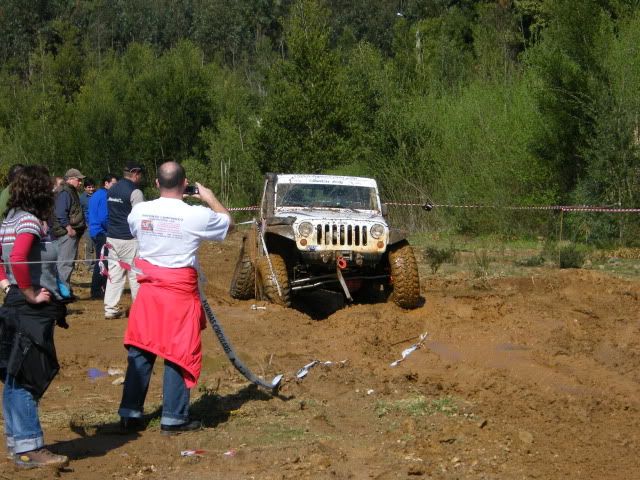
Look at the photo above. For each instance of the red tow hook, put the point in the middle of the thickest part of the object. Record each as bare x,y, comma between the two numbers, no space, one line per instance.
342,263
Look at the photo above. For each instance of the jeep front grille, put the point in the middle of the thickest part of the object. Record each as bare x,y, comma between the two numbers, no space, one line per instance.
350,235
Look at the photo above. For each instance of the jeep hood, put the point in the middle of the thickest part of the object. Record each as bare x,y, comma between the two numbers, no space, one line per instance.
329,214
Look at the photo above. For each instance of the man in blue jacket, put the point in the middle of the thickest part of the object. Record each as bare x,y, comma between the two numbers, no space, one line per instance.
98,224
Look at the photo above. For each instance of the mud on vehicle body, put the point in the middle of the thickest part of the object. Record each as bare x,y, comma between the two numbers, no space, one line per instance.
324,231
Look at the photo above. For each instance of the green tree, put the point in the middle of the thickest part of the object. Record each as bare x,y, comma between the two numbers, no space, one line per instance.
368,20
612,172
435,54
305,124
23,24
228,164
567,63
496,41
168,104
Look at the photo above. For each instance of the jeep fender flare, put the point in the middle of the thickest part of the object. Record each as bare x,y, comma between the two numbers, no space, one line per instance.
282,231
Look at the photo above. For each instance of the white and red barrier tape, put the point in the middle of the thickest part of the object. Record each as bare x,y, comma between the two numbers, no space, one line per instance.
254,207
565,208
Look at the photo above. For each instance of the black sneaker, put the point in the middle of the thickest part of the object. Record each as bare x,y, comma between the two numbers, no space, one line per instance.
191,426
131,425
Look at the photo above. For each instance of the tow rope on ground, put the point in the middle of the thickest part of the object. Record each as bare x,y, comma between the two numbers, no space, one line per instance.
274,278
231,354
215,325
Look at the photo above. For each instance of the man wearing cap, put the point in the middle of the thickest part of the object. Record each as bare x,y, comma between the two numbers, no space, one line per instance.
121,198
68,225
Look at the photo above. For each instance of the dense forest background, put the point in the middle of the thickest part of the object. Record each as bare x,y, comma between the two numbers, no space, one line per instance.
502,102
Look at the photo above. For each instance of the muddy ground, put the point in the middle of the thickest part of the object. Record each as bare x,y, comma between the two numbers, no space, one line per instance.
532,376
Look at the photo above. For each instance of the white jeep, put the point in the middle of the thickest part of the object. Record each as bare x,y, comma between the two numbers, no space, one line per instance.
324,231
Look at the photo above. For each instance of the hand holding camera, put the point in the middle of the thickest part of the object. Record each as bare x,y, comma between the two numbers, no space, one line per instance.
199,191
208,198
191,190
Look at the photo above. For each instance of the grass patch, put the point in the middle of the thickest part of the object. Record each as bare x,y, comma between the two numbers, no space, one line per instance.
485,257
276,433
481,263
417,406
571,257
469,243
533,261
88,421
481,268
437,256
565,254
154,423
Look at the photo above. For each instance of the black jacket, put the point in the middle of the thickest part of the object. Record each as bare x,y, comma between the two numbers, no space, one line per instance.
27,351
119,206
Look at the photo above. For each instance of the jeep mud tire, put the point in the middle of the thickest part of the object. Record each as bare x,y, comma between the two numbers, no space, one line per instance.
404,271
244,278
269,287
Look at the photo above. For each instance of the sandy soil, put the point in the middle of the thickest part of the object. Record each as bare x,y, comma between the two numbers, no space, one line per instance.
535,378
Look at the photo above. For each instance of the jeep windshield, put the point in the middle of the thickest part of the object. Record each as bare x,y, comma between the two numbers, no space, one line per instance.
313,195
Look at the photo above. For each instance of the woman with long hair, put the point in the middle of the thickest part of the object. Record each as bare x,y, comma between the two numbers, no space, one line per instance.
31,309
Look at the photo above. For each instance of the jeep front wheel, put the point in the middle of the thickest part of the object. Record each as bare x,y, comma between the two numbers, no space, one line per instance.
244,277
404,272
269,283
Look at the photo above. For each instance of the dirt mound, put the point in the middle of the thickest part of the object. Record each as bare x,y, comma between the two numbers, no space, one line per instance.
534,378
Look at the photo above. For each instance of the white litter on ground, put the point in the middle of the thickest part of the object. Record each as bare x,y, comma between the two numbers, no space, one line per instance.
304,370
410,350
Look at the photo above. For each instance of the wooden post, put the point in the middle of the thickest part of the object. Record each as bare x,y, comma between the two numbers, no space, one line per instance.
560,235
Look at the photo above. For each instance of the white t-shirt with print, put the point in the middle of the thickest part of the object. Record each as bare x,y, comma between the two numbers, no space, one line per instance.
169,231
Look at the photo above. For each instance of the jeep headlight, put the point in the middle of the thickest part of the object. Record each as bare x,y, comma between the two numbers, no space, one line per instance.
305,229
377,231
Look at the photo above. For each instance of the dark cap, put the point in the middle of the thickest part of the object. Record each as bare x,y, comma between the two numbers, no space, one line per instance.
133,167
73,172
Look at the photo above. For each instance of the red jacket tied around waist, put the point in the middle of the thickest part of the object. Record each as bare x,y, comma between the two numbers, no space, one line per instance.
166,317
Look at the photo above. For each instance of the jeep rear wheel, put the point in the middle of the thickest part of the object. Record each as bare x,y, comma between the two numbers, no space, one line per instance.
268,283
404,271
244,277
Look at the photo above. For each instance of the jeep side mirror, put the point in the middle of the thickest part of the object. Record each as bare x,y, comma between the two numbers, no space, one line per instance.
384,210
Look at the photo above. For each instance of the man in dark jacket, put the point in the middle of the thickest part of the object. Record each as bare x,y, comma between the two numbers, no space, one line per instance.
121,198
68,226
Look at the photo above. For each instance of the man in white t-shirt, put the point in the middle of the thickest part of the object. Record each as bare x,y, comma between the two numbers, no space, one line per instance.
166,318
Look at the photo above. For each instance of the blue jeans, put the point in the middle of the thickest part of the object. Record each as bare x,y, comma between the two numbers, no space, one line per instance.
175,394
21,422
